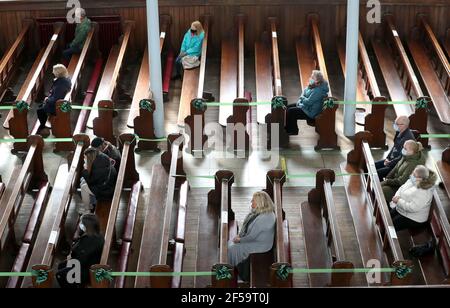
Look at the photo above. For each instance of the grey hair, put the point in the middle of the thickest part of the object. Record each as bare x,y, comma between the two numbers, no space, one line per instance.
422,172
317,75
80,11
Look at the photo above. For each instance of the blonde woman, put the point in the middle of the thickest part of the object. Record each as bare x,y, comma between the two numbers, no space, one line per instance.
412,156
256,234
61,85
191,48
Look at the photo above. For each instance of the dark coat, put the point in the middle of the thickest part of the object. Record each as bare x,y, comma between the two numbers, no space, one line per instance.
102,179
114,153
59,89
395,154
88,250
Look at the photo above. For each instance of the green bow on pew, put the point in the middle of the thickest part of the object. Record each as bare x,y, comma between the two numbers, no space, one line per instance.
22,105
279,102
422,103
283,272
199,104
402,270
146,104
41,275
102,274
328,103
223,272
66,106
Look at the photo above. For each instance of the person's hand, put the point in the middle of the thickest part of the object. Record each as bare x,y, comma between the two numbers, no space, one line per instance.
182,54
395,199
237,239
69,257
387,162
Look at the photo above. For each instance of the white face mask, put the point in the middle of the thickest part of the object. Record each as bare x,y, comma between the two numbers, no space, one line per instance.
404,152
82,227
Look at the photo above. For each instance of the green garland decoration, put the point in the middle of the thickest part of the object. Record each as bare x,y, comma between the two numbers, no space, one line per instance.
22,105
223,272
41,275
422,103
402,270
328,103
102,274
279,102
146,104
283,272
199,104
66,106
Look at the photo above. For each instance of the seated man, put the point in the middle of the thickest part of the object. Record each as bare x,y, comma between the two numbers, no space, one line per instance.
402,134
108,149
309,104
81,32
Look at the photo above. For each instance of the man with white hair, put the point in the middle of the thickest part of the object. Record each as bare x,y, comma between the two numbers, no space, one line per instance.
402,134
81,31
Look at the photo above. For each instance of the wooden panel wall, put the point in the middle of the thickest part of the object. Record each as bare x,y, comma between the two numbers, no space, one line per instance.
291,14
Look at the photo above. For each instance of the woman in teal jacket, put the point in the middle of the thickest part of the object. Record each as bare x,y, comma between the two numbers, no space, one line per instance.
191,46
309,104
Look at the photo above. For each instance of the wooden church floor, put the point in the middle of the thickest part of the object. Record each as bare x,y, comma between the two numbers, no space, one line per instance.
249,172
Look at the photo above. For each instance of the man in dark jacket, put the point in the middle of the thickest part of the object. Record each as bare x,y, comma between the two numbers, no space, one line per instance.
109,149
402,134
81,33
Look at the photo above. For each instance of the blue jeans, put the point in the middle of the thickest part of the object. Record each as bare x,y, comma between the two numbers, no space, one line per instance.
67,54
179,66
382,170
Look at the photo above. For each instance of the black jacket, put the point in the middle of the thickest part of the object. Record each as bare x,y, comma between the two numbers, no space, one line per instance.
88,250
115,154
395,154
59,89
102,179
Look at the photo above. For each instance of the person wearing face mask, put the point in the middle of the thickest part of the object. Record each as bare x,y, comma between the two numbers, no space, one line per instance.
309,104
87,249
191,49
256,234
410,207
402,134
412,156
61,85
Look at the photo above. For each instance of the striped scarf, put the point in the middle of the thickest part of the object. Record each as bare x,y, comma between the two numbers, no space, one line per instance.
247,221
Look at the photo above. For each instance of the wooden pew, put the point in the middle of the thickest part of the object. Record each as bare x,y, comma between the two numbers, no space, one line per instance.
375,231
264,266
60,123
367,91
268,84
310,57
163,264
433,66
11,60
443,169
16,121
152,231
324,250
399,77
217,227
142,89
2,187
100,120
194,79
107,212
447,43
52,227
31,175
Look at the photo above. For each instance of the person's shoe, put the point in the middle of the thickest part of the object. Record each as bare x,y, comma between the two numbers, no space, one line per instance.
44,132
422,250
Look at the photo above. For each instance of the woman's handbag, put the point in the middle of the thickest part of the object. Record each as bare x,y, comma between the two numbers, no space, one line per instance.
190,62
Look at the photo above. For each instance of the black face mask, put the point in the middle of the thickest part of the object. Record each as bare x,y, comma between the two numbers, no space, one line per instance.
193,31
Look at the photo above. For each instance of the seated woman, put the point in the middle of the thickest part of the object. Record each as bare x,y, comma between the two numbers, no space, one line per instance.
410,207
191,49
412,156
98,179
309,104
256,235
109,149
87,250
61,85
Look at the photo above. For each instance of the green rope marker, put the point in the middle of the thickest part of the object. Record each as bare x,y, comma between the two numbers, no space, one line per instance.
22,105
283,272
7,107
328,103
223,272
41,275
402,270
279,102
146,104
199,104
102,274
422,103
66,106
